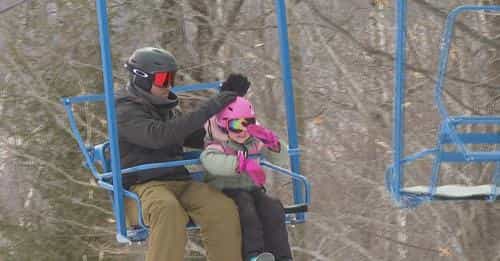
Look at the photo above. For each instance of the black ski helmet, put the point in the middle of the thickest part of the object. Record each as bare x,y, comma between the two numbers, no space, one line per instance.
145,62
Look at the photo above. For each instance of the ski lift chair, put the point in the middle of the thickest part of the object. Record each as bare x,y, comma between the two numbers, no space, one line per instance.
96,154
451,134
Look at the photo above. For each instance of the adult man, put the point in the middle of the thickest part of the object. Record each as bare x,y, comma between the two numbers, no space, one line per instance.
152,129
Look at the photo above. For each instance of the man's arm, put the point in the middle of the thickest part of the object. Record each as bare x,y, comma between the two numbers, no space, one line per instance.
195,140
138,127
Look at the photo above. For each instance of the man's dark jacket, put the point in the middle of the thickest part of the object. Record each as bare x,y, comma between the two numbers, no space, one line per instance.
152,129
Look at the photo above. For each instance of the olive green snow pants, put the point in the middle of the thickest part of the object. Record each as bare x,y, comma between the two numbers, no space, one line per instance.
167,206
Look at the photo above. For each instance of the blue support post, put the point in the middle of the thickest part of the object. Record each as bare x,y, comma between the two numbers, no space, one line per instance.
399,90
286,75
102,17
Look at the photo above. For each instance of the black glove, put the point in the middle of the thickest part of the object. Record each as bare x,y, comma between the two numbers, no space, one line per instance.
236,83
221,100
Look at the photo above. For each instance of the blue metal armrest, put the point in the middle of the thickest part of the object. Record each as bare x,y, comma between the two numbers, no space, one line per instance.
100,155
302,205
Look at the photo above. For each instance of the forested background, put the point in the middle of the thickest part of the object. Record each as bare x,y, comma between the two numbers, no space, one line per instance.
342,57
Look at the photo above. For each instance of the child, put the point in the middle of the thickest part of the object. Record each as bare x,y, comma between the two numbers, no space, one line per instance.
233,136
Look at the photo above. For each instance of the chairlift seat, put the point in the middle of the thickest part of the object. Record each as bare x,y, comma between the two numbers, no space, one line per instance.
453,192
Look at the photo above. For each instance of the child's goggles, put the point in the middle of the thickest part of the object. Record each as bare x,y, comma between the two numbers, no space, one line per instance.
239,125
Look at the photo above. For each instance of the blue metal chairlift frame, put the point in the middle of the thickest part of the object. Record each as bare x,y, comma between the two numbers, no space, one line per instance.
448,132
111,169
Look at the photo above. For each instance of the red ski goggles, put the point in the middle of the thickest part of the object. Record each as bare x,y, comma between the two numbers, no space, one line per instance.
239,125
163,79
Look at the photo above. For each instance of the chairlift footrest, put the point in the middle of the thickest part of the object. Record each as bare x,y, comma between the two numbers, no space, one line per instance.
297,208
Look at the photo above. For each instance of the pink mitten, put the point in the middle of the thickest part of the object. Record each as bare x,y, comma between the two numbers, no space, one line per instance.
267,136
252,168
255,172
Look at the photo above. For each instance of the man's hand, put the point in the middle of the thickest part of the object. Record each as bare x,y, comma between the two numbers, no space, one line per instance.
236,83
